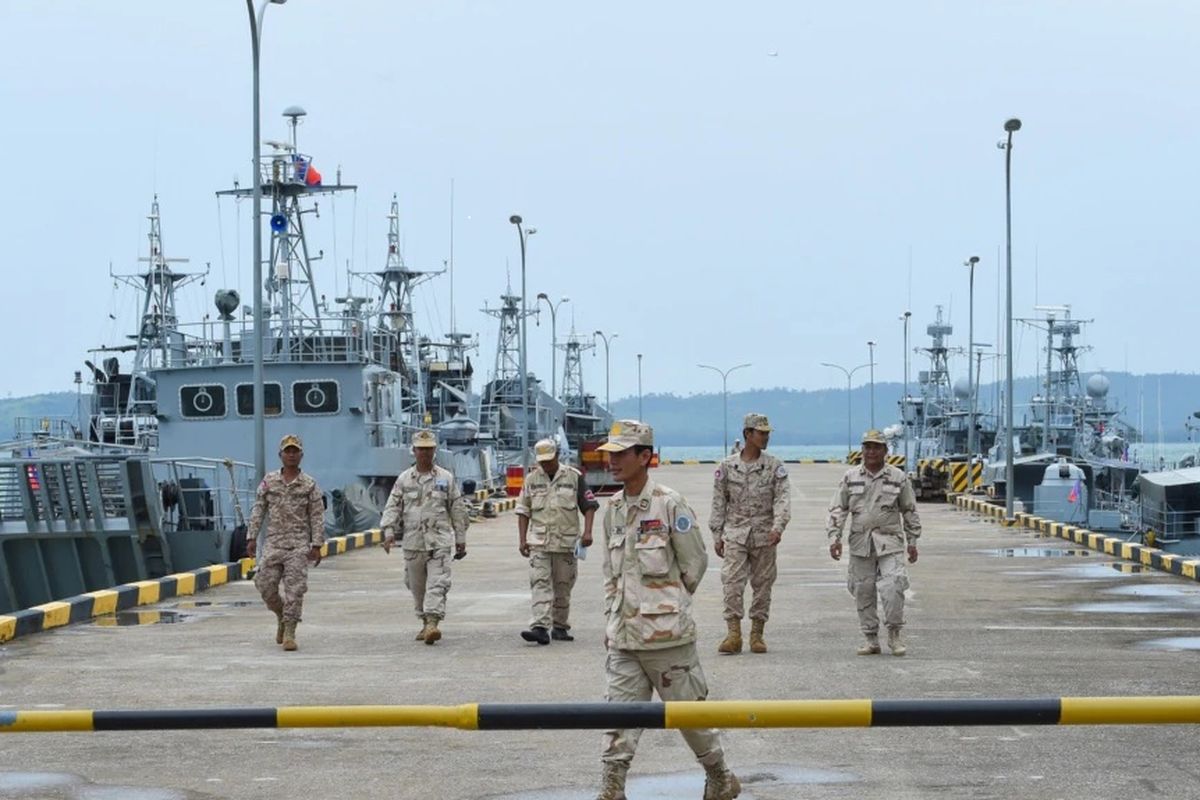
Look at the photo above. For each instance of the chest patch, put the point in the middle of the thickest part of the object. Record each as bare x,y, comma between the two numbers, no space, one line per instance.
441,485
651,527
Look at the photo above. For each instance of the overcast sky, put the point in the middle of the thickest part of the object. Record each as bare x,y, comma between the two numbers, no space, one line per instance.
717,182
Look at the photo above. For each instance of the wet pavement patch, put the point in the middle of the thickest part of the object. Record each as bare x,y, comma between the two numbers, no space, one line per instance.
1035,552
690,785
124,618
1156,590
25,784
68,786
216,604
1172,643
1132,607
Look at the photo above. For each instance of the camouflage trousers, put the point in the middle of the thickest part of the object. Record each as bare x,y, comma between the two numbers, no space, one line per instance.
282,580
427,576
674,674
753,564
885,576
551,579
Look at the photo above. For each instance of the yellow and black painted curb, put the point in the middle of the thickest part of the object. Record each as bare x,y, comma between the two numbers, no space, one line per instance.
1184,710
89,605
1138,553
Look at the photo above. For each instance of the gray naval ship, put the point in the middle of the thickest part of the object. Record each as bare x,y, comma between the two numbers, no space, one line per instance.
154,479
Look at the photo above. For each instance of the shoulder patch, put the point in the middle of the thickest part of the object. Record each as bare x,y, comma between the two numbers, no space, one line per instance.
781,471
719,473
683,523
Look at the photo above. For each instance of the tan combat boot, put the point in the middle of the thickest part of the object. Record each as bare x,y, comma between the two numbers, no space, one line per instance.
732,643
279,628
720,783
895,643
289,635
871,646
757,643
420,637
612,782
432,634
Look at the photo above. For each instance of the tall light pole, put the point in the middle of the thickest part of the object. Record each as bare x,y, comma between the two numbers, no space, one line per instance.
260,447
553,337
724,400
515,219
849,375
904,401
871,350
607,339
1011,126
971,386
639,355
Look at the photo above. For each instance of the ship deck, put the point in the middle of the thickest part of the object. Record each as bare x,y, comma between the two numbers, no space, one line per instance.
994,612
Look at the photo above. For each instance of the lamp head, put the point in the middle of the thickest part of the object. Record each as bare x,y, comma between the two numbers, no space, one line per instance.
1012,125
972,261
515,219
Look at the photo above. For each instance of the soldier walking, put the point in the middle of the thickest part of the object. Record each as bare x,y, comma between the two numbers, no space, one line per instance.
884,523
653,561
291,503
426,512
551,501
751,506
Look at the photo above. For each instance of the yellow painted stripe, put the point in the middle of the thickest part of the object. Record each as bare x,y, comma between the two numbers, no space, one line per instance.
464,717
1189,569
1130,710
30,721
55,614
217,574
148,591
1168,562
1109,545
103,602
185,582
8,628
769,714
1147,556
1127,550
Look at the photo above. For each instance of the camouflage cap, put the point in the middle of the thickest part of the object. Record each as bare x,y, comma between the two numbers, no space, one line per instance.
424,439
756,422
291,440
545,450
874,436
627,433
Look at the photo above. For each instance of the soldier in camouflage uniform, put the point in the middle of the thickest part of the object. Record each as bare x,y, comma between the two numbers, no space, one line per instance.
751,506
426,511
291,503
548,510
879,501
653,561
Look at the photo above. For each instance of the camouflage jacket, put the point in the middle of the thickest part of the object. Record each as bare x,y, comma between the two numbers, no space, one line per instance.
426,510
654,560
294,512
553,506
750,500
881,508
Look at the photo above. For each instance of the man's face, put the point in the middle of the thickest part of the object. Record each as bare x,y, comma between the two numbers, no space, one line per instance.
424,457
627,464
550,466
291,456
873,455
758,438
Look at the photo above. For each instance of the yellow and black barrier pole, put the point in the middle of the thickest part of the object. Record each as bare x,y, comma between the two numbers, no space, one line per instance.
1180,710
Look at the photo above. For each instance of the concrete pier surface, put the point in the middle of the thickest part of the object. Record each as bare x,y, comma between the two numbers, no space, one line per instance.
993,612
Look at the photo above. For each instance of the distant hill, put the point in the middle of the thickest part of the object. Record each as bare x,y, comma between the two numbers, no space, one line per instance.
799,417
819,417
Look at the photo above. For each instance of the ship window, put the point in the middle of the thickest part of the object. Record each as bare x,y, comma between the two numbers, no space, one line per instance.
315,397
202,402
272,399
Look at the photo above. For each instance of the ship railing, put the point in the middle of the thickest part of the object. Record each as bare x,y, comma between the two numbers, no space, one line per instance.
1168,524
54,426
389,434
325,339
204,493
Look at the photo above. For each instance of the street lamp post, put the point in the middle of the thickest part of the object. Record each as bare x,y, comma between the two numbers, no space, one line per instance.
607,339
871,361
260,448
553,337
904,401
515,219
724,400
1011,126
849,374
639,355
971,386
